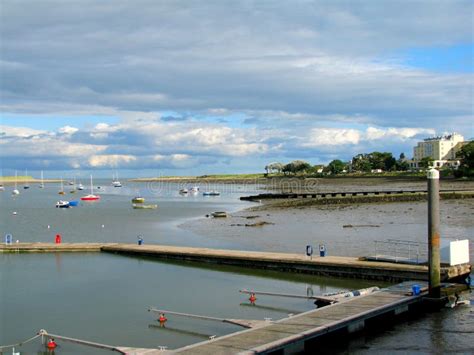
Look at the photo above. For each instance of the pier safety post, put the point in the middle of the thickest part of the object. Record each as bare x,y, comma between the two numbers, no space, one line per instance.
433,233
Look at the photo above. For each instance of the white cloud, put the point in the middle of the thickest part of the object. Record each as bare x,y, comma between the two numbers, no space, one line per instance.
110,161
332,136
320,137
19,131
68,130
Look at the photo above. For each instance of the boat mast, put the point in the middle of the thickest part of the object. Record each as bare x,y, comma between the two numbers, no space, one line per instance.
92,192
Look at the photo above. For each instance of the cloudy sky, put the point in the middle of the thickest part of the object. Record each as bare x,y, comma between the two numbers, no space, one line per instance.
196,87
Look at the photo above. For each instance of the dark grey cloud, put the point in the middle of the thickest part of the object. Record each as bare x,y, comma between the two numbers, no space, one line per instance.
315,57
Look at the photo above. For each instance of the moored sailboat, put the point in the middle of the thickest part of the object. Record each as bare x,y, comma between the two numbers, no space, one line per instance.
26,186
116,182
91,196
15,190
41,186
61,192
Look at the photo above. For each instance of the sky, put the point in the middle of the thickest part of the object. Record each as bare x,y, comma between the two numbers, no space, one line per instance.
199,87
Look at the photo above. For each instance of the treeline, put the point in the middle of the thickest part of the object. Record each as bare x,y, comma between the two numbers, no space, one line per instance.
371,162
374,162
466,158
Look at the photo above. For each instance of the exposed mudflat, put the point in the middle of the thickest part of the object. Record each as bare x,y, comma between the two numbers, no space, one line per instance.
346,230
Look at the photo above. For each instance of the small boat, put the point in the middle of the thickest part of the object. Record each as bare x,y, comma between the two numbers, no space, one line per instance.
73,191
220,214
140,206
80,187
211,193
116,182
61,192
62,204
91,196
15,190
194,189
183,191
71,183
138,199
26,186
41,186
74,203
2,188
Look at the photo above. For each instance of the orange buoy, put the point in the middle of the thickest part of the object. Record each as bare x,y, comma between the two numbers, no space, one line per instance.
162,318
252,298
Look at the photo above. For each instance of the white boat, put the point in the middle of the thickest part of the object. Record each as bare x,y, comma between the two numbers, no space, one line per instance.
80,187
211,193
41,186
15,190
183,191
62,204
91,196
2,188
116,182
194,189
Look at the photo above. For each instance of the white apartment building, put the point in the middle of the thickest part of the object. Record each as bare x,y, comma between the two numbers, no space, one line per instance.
441,149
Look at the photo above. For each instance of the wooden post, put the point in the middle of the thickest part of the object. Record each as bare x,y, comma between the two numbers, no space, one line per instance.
433,233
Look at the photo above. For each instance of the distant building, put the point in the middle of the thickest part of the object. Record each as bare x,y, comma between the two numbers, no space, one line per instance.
441,149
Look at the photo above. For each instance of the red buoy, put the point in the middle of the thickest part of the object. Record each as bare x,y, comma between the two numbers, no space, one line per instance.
252,298
162,318
51,344
58,239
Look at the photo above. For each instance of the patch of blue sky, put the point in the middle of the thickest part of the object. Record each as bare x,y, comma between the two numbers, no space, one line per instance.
444,59
53,122
233,120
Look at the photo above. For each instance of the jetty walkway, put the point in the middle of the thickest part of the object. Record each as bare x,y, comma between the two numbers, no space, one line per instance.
348,267
298,333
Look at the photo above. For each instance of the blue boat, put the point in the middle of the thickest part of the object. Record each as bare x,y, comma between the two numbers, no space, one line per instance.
73,203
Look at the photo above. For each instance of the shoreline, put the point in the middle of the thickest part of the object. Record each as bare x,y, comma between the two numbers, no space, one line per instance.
9,182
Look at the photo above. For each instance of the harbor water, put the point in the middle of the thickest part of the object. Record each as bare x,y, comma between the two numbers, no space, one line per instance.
105,298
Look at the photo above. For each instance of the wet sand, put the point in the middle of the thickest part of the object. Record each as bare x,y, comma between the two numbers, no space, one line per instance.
347,230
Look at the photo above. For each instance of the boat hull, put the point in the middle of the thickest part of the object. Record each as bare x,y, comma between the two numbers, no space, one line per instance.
90,198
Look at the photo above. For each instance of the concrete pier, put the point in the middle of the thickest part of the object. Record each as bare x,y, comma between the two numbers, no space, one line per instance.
334,266
359,196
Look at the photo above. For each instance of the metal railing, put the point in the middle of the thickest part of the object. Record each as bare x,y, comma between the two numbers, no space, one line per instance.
401,250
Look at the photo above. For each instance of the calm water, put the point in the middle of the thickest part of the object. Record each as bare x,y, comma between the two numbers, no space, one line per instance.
104,298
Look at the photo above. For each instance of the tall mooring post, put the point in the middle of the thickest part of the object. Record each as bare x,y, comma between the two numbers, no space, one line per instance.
433,233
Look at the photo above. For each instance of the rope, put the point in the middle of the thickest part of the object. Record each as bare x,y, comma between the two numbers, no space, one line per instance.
21,343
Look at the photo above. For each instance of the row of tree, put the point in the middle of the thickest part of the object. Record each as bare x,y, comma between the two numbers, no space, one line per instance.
466,157
361,162
368,162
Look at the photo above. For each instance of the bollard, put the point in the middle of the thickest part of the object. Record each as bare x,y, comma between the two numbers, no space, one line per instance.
8,239
433,233
58,239
322,250
140,240
309,251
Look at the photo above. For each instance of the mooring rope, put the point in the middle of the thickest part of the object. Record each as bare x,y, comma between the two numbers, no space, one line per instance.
21,343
